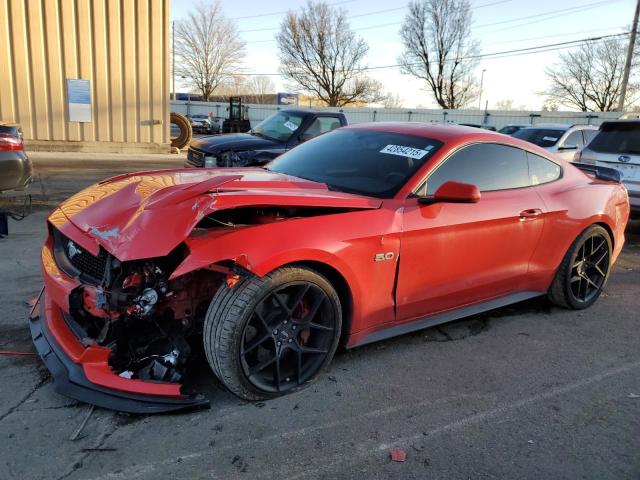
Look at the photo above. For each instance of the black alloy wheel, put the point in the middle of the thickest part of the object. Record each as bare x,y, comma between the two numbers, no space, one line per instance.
590,268
288,337
584,271
271,335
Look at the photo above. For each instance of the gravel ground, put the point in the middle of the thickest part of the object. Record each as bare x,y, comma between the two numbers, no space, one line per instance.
527,391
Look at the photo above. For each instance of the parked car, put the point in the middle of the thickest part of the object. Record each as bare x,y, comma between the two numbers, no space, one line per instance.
273,136
512,128
563,140
477,125
617,145
204,124
358,235
16,170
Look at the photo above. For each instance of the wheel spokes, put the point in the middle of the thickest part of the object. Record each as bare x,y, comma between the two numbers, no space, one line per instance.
256,343
588,271
298,320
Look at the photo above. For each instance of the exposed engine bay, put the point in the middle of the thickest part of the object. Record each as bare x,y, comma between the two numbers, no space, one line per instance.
151,324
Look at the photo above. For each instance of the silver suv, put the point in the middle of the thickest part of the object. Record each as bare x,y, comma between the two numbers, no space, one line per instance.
563,140
617,145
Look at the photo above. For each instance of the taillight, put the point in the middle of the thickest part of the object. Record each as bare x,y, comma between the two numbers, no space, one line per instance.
10,142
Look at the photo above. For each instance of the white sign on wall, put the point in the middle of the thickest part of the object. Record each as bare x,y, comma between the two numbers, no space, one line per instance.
79,100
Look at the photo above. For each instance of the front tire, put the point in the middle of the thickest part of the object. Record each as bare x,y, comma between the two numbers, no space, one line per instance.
268,336
584,270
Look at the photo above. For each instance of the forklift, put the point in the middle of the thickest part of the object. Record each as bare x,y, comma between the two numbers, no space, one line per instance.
236,123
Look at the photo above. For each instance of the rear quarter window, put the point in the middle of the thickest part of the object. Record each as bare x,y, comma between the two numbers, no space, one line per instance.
542,170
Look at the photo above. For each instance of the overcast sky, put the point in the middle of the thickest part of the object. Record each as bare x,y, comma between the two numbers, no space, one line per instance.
500,25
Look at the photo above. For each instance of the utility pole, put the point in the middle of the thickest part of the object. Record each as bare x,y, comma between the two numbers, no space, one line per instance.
627,64
481,82
173,57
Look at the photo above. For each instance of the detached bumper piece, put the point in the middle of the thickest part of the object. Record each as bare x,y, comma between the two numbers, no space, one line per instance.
70,378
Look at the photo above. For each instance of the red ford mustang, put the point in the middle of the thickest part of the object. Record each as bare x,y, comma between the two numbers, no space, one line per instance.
361,234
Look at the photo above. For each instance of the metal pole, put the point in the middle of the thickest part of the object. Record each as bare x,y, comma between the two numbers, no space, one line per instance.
173,57
627,65
481,82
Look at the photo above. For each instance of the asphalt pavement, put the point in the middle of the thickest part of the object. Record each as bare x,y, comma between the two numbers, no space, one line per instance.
526,391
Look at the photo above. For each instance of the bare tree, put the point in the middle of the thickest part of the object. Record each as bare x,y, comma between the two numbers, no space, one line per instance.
438,49
321,55
257,88
392,101
208,48
589,78
505,104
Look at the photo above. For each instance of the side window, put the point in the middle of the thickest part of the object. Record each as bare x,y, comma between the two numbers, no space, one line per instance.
588,135
574,139
488,166
542,170
319,126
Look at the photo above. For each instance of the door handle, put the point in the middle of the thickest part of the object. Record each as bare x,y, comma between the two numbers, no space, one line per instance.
530,213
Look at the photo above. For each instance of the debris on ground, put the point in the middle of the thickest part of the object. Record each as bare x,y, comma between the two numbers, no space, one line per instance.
13,353
398,455
78,431
633,395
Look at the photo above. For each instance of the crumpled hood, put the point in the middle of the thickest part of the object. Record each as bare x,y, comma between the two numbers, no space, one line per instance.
147,214
232,141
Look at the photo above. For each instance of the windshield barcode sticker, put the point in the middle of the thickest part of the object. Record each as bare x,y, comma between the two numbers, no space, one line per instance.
406,151
290,125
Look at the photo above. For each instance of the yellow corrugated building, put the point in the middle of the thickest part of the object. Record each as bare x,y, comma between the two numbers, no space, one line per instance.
119,46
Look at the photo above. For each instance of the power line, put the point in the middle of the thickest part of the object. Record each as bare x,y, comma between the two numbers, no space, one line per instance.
545,19
568,34
360,15
568,10
493,55
271,14
561,13
542,17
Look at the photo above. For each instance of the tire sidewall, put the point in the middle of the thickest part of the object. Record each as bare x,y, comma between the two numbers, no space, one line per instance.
276,280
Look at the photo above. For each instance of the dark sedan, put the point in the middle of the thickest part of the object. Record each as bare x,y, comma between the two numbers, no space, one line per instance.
16,171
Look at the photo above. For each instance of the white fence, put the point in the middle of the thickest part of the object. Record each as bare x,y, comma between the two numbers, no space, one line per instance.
494,118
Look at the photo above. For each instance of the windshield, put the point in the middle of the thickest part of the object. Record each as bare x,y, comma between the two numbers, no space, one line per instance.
279,126
543,137
200,117
617,138
371,163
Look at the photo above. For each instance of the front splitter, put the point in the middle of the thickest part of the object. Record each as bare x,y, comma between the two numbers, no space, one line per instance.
69,380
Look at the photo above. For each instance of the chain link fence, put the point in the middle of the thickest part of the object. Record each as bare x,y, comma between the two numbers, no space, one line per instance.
489,118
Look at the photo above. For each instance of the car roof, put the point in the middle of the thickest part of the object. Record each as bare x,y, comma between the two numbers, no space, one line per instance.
622,121
561,127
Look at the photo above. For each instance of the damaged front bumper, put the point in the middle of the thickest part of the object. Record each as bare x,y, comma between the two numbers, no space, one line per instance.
80,367
89,378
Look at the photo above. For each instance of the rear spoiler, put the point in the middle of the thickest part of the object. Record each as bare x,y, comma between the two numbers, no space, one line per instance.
602,173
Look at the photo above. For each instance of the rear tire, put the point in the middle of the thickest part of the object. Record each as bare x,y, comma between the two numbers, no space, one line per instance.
267,336
584,271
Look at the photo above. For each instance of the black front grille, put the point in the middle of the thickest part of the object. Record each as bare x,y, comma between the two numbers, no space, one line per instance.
195,157
76,261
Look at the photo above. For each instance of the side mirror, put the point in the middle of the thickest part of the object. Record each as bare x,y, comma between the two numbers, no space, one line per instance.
568,146
453,192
